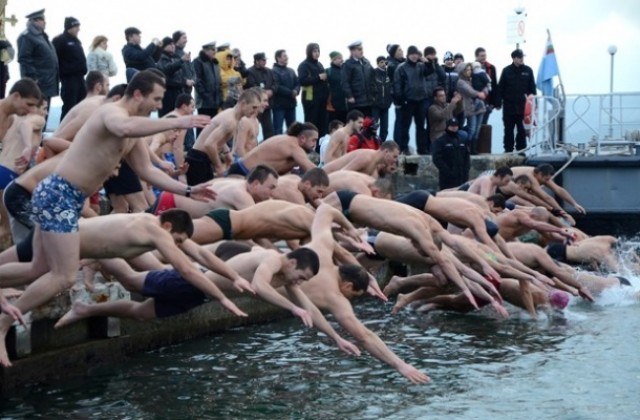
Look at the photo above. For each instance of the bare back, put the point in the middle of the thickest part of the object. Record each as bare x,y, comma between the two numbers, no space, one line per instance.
287,190
246,136
350,180
337,144
277,152
359,160
272,219
218,132
77,116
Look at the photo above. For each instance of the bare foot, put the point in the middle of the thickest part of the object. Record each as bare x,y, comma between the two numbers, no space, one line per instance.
401,302
392,287
79,310
4,357
88,275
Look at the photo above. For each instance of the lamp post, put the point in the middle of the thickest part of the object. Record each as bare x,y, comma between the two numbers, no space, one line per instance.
612,51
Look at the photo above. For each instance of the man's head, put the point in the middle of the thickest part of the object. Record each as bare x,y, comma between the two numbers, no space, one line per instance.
306,133
481,55
335,125
168,46
260,60
502,176
37,19
382,188
539,214
413,54
391,151
543,173
314,184
302,264
117,92
395,51
72,26
447,59
25,96
132,35
249,102
496,203
261,182
96,82
381,62
440,96
313,51
430,53
209,49
171,135
452,127
178,223
353,280
518,57
354,120
355,48
336,58
281,57
524,182
179,38
147,89
185,104
458,58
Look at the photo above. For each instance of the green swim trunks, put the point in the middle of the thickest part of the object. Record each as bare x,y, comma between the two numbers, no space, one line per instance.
223,219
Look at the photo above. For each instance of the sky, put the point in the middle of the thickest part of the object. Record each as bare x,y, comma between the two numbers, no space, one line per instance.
581,31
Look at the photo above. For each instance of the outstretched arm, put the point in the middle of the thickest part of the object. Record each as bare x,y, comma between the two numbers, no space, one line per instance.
564,195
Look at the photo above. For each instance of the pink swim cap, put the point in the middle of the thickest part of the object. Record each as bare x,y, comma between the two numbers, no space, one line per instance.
559,299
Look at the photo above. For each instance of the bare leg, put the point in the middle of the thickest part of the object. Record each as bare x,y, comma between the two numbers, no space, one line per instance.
118,204
420,294
137,202
396,283
5,227
141,311
129,278
62,258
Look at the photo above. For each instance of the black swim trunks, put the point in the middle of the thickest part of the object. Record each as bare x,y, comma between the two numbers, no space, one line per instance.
492,227
557,252
416,199
346,197
230,249
127,182
238,168
223,219
465,186
200,168
172,294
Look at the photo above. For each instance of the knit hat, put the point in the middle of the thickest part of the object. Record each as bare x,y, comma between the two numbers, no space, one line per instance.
448,56
452,122
334,54
167,40
458,56
70,22
412,50
392,49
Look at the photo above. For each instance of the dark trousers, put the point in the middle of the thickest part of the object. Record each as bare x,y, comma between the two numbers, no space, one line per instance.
338,115
212,112
382,117
428,131
397,124
416,111
315,112
72,91
366,110
266,122
512,122
280,116
169,100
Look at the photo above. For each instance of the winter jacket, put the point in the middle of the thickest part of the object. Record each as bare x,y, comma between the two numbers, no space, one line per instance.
287,82
38,60
102,61
382,98
263,78
137,58
516,82
409,82
469,94
71,59
338,100
494,96
451,157
450,81
208,82
435,77
171,66
438,116
357,81
313,88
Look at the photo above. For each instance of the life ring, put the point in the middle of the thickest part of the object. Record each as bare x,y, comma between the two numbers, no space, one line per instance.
529,111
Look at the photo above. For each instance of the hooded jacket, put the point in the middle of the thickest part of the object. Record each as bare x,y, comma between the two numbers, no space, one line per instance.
229,77
313,88
38,60
208,82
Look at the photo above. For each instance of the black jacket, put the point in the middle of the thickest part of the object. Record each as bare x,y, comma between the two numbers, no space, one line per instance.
357,81
313,88
435,77
208,82
263,78
135,57
516,82
409,82
38,60
451,157
382,98
286,82
171,66
71,58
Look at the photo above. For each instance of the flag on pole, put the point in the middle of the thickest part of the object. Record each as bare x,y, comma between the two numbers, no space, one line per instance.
548,69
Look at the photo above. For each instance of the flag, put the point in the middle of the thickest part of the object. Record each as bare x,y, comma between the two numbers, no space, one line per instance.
548,69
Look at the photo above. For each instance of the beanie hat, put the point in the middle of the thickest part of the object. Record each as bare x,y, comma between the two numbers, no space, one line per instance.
70,22
334,54
392,48
448,56
167,40
412,50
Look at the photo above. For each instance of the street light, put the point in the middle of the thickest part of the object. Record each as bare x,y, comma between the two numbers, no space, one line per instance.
612,51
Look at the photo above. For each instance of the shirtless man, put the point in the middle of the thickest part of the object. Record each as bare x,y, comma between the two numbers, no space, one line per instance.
542,175
398,219
518,222
19,146
375,163
23,98
246,136
340,138
111,132
233,193
487,185
331,290
204,158
309,188
282,152
598,252
360,183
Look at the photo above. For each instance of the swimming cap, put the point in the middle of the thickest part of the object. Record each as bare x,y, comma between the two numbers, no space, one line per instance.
559,299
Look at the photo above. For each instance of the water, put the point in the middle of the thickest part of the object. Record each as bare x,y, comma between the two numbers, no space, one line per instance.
584,365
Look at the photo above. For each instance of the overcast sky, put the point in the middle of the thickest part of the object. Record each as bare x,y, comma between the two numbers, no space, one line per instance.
581,31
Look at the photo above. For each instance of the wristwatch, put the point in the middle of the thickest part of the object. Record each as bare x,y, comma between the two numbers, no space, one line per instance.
187,192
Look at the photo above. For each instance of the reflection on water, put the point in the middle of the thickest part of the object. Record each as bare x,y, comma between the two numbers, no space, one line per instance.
582,366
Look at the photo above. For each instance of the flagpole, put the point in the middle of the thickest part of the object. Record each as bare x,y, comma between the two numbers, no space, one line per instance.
562,99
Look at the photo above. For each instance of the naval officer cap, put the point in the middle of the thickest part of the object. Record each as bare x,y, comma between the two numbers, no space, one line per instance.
209,46
356,44
36,15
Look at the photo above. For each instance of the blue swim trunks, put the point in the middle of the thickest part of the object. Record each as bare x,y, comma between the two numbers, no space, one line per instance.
57,205
6,176
172,294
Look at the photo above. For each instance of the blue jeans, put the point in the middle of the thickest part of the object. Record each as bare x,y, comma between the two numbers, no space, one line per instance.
474,122
282,115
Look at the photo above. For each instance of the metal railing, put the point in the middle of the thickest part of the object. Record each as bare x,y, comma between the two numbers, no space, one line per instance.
587,124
